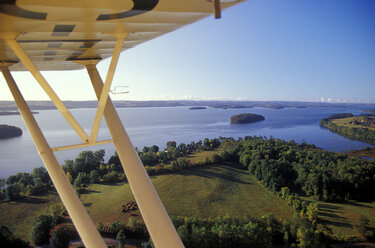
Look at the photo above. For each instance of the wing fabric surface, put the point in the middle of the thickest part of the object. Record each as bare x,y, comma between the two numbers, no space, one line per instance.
54,33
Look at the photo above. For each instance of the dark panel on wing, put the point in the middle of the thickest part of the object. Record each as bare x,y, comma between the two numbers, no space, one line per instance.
54,44
63,30
50,53
9,7
51,41
140,7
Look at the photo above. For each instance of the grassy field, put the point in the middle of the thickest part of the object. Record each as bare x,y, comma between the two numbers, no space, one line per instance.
205,192
20,216
341,218
202,156
349,122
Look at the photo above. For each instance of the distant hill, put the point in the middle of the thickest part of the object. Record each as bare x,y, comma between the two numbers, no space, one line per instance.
246,118
9,131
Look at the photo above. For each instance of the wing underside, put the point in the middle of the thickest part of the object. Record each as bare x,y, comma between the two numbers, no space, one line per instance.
55,33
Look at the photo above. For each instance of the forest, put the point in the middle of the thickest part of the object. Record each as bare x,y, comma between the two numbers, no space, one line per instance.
303,168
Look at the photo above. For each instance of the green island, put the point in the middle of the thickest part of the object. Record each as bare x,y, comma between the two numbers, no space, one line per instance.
360,127
197,108
222,192
7,131
369,110
246,118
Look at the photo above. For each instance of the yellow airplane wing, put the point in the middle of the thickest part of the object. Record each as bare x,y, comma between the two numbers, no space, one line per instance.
53,33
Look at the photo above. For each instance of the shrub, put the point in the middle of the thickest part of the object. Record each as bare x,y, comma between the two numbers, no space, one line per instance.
8,240
94,176
121,238
13,192
216,159
41,231
60,236
137,228
111,177
116,227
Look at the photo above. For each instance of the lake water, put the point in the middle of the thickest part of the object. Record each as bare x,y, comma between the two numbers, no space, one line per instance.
149,126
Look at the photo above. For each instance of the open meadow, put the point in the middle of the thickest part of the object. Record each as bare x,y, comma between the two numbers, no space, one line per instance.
204,192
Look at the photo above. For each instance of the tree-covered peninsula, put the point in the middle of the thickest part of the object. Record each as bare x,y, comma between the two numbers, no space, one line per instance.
9,131
246,118
360,128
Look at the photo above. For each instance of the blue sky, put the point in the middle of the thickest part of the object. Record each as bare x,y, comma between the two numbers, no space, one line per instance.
291,50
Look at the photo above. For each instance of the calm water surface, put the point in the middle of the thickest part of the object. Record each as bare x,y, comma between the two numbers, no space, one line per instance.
149,126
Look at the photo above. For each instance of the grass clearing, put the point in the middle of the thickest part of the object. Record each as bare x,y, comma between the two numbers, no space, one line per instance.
341,218
204,192
202,156
218,191
21,216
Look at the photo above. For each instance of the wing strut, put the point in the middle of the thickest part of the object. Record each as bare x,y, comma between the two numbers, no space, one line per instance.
158,223
106,88
81,220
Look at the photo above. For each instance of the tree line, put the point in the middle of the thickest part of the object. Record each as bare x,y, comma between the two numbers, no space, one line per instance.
303,169
265,231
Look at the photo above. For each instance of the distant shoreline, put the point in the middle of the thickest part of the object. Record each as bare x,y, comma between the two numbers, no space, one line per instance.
15,112
7,106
